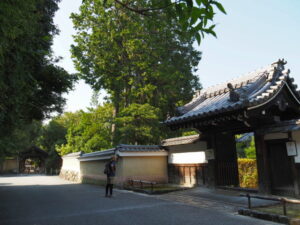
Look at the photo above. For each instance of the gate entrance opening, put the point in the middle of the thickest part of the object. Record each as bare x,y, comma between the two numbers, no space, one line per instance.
246,160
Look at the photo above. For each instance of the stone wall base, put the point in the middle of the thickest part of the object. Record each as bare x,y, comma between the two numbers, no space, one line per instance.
121,181
70,175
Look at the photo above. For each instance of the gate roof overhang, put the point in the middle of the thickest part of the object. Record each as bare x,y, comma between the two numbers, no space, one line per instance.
241,103
33,152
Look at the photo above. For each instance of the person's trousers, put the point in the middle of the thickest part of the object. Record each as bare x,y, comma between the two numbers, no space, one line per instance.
109,187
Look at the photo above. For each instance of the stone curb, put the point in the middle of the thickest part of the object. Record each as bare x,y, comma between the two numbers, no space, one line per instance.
152,193
265,216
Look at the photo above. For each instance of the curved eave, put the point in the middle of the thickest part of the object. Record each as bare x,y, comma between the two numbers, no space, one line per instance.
209,114
263,102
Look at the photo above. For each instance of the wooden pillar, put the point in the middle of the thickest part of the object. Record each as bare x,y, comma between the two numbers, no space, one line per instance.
297,166
296,175
263,168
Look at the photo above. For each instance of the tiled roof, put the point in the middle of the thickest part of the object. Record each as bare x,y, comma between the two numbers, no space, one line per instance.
250,90
180,140
139,148
107,152
34,150
245,137
121,148
73,154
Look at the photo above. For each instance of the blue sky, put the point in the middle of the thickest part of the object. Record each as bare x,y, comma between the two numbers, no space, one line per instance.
254,33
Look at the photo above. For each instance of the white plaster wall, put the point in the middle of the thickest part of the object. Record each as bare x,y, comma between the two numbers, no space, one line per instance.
187,158
296,137
188,153
71,164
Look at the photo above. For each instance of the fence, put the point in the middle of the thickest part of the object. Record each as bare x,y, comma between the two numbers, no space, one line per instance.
283,201
142,184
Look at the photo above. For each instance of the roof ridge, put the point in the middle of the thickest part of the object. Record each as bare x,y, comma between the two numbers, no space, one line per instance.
238,82
247,90
254,72
183,137
126,145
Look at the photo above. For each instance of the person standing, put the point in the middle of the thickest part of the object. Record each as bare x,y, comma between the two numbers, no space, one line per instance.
110,170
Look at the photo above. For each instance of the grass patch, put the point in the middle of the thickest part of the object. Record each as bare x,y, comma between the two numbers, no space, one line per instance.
293,210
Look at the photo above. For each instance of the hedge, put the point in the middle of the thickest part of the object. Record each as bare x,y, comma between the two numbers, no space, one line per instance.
248,173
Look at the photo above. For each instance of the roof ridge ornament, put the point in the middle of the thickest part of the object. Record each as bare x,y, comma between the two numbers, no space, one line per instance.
279,65
280,61
233,95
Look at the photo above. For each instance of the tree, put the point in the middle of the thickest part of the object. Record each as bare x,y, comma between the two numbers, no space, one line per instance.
139,124
53,135
251,150
246,148
136,59
193,16
21,138
88,131
31,84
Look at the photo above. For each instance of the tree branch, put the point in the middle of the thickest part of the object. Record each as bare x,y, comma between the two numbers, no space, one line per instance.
143,11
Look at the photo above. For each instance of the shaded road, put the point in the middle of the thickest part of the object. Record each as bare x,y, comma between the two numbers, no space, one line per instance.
48,200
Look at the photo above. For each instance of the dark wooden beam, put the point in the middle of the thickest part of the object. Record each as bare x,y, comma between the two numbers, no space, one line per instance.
264,180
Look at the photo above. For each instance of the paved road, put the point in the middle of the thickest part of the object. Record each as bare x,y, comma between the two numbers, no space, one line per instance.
46,200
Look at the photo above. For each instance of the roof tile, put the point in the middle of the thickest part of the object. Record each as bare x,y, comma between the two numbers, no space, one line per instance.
251,89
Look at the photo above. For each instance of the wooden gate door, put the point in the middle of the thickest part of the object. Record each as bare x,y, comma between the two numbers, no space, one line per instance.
281,173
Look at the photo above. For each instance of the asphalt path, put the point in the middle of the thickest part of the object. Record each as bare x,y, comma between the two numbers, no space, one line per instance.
49,200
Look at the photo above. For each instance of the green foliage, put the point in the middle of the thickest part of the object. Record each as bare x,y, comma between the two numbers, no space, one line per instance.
188,133
53,161
31,84
53,134
246,149
248,173
250,150
139,124
88,131
21,138
136,59
195,17
240,147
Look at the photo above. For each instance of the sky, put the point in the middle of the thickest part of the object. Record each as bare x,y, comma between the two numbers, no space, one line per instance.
253,34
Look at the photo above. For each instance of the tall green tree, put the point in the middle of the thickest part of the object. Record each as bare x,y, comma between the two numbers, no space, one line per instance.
88,131
53,134
195,17
136,59
31,84
139,124
23,137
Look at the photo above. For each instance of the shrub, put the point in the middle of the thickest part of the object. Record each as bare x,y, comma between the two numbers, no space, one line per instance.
248,173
